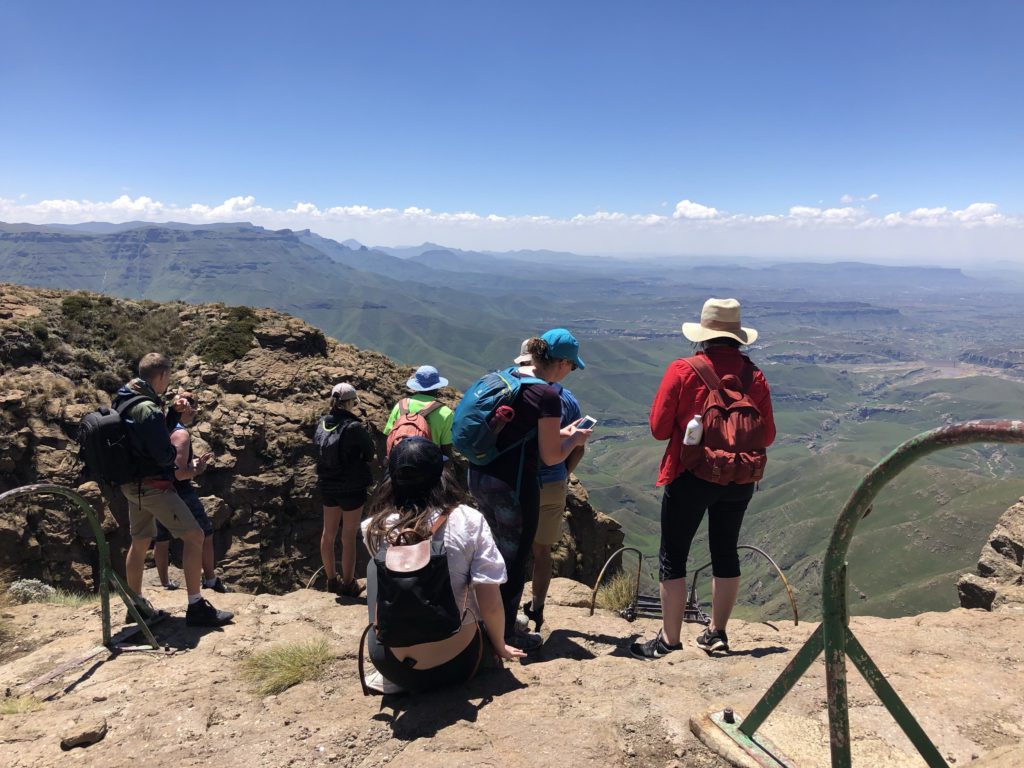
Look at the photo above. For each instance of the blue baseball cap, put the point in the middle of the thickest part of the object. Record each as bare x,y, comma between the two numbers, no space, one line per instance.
426,379
562,345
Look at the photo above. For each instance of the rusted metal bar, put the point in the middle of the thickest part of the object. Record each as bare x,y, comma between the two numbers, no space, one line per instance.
597,584
107,576
784,682
833,636
695,611
835,616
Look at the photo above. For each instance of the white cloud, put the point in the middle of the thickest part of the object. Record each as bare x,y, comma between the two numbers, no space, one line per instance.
850,231
847,199
685,209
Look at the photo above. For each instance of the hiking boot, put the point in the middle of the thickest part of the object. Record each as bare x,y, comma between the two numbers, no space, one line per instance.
333,585
524,641
713,640
349,588
171,585
145,608
202,614
217,586
653,649
536,615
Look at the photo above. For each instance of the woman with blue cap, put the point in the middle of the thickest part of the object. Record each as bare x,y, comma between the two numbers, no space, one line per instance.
507,489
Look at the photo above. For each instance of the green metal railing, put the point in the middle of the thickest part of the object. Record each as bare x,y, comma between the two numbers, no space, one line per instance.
833,635
107,578
649,606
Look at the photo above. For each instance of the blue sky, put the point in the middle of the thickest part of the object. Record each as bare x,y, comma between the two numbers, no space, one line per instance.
552,118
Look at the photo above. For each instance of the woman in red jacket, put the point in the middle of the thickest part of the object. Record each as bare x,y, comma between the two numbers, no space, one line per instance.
681,396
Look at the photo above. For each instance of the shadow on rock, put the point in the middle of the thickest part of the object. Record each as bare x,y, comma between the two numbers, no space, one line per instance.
175,635
757,653
418,715
572,644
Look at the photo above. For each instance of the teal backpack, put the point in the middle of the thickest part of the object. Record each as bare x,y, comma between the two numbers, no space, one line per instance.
475,429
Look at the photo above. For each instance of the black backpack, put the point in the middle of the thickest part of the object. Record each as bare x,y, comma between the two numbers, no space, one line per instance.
329,461
415,601
105,446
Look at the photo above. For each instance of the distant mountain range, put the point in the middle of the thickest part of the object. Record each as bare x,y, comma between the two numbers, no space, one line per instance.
850,349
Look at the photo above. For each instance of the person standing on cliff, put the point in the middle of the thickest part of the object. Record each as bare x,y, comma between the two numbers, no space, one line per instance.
181,414
425,384
554,482
151,496
507,490
702,471
344,453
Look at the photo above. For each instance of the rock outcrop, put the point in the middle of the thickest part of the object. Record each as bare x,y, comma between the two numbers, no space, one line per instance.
999,580
579,701
262,378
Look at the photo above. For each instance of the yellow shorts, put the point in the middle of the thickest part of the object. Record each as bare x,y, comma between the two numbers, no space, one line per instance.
552,507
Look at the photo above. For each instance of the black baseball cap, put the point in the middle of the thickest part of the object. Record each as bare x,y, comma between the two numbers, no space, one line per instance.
414,466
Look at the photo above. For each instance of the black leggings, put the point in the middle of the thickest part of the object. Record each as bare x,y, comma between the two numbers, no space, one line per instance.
454,671
513,523
682,509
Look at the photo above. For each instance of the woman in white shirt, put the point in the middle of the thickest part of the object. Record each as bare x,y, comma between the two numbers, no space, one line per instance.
415,493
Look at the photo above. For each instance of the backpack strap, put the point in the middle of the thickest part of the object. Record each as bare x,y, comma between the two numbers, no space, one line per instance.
704,369
131,402
429,408
362,653
403,406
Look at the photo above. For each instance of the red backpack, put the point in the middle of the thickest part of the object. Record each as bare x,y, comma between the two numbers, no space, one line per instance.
732,447
410,424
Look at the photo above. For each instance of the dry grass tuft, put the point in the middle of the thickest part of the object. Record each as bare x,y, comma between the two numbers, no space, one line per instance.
617,592
280,667
19,705
72,599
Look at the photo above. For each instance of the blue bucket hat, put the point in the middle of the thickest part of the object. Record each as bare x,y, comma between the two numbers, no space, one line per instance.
426,379
562,345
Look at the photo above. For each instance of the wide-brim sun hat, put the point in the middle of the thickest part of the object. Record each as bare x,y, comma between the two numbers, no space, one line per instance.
426,379
562,345
719,318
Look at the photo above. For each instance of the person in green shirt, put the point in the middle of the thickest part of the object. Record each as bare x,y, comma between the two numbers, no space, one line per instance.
425,384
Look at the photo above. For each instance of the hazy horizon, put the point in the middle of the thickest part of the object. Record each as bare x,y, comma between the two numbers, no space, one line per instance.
795,131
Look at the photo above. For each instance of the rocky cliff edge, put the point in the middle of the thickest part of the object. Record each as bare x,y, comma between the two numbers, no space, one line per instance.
262,378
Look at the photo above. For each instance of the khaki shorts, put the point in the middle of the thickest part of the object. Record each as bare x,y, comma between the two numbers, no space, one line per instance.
147,505
552,507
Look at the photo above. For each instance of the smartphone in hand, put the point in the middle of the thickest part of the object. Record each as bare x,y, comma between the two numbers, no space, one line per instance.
587,422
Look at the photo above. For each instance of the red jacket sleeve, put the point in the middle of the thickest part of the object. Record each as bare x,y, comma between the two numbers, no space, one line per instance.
666,402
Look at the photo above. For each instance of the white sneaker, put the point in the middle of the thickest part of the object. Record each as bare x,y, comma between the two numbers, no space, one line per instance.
375,681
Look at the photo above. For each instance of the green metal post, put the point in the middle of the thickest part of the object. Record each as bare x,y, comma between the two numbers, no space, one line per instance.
107,575
833,636
784,683
892,701
834,584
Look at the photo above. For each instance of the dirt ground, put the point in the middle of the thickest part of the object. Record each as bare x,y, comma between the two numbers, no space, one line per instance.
582,700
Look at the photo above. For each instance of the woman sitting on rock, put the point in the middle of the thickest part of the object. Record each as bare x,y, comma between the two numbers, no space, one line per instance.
418,500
